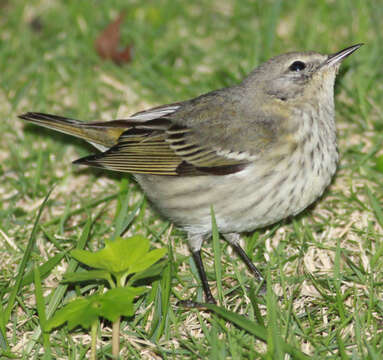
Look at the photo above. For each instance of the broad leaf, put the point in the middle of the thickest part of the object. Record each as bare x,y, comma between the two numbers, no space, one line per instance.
119,302
151,272
120,256
85,311
147,260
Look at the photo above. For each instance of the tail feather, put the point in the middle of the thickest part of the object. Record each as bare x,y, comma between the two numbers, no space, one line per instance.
100,134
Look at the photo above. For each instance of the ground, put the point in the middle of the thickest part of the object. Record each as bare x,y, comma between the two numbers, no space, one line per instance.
324,265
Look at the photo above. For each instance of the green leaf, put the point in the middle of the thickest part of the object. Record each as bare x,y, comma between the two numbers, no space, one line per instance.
77,313
85,311
87,276
121,256
147,260
119,302
151,272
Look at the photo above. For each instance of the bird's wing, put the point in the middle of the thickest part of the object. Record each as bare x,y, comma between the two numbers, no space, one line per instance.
153,143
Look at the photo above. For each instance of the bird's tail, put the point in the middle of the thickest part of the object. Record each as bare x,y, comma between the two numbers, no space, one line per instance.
100,134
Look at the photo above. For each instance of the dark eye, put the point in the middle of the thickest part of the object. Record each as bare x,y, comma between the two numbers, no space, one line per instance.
297,66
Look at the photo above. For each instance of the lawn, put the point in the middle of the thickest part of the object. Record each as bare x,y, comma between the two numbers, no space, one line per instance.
324,266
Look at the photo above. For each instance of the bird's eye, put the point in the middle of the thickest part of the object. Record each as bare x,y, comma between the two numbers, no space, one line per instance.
297,66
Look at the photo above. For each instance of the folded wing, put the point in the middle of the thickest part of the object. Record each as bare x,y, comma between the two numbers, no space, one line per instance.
160,147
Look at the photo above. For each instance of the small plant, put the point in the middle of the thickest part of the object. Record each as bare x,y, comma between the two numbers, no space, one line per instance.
121,263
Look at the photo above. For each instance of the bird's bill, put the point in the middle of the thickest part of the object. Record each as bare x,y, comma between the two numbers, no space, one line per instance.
341,55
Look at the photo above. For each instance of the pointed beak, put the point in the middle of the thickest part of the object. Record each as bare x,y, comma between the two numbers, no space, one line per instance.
341,55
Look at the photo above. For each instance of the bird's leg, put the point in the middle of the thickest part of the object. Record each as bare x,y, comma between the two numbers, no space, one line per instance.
233,240
195,242
202,274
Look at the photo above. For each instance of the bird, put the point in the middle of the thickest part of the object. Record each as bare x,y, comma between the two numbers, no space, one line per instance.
256,153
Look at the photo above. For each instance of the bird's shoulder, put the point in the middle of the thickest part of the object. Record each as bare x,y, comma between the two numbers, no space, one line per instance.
231,120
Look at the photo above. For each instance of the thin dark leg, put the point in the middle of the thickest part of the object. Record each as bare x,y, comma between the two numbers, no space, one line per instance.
233,240
248,262
202,274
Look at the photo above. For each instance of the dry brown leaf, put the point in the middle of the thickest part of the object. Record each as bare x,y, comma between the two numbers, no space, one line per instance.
107,43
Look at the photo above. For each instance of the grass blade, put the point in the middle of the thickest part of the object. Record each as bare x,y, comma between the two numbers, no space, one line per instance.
217,256
40,304
59,292
23,264
253,328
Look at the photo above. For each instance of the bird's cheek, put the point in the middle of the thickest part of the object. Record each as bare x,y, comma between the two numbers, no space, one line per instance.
284,90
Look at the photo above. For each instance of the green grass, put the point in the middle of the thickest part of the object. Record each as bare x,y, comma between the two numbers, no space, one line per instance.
325,265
